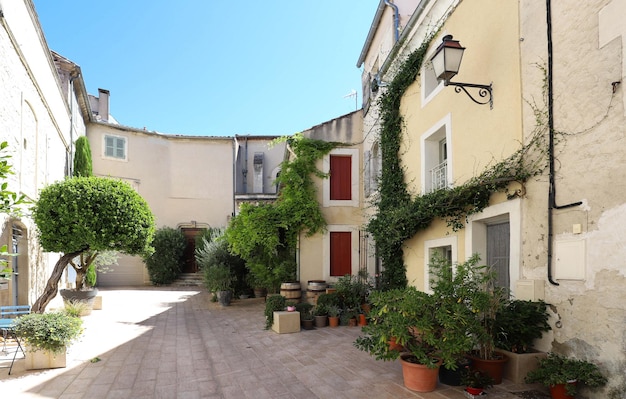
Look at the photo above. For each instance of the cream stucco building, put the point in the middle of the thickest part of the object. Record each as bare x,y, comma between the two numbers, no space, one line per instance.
554,68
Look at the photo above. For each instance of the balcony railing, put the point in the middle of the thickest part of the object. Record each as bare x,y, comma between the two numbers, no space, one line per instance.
439,176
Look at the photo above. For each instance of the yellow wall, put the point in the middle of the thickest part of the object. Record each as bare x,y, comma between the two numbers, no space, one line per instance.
479,135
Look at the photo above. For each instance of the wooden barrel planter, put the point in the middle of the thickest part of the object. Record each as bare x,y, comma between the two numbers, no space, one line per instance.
291,291
314,289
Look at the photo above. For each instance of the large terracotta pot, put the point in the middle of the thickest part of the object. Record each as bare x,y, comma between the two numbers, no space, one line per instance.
493,367
418,377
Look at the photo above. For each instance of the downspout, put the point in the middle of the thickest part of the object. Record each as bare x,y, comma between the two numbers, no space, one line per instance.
552,186
396,20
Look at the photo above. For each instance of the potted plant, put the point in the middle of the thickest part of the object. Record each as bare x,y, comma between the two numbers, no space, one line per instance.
320,314
333,316
47,333
434,329
306,316
485,299
517,325
218,279
476,381
565,375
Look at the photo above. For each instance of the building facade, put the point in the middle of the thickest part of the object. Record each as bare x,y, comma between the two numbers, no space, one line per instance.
556,73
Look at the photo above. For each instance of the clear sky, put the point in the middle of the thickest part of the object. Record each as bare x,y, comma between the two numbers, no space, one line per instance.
218,68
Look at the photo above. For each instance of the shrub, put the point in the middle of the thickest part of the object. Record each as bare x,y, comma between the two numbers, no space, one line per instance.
48,331
519,323
274,303
213,251
164,264
557,369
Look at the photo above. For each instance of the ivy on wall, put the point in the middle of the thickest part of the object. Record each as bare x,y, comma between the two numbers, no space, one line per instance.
266,235
399,216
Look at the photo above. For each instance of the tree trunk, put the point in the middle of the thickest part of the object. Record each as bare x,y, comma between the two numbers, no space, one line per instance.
52,285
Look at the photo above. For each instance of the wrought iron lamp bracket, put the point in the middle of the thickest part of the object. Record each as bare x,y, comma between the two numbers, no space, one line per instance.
485,92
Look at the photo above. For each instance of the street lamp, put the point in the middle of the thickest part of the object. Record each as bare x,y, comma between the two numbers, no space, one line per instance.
446,62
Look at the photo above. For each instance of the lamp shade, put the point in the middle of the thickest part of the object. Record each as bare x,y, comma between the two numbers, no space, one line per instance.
447,58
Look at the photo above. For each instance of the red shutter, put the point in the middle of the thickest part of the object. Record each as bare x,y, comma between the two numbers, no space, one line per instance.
340,253
340,177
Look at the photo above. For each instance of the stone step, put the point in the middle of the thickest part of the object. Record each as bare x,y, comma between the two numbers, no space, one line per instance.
189,280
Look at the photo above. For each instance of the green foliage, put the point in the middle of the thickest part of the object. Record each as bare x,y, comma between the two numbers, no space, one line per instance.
443,325
333,310
519,323
400,216
48,331
305,310
557,369
82,158
327,300
352,291
164,263
476,378
265,235
93,213
5,270
273,303
213,252
76,308
9,200
218,278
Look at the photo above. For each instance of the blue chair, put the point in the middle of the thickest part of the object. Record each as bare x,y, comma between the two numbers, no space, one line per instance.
8,314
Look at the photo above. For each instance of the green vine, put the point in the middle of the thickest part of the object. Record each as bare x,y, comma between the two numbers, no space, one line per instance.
266,235
399,216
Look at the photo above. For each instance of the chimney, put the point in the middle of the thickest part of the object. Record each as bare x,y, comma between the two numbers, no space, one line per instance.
103,105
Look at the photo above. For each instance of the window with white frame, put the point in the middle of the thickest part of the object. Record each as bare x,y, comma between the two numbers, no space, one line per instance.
445,248
430,84
115,147
342,186
436,165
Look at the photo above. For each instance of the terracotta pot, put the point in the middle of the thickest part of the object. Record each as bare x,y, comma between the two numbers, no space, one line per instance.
474,391
559,391
418,377
366,307
493,367
362,320
333,321
352,322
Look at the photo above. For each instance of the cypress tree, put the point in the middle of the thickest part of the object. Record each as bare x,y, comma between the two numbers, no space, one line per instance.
82,158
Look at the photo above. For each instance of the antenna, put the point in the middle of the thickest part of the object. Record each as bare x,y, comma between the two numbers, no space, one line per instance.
352,94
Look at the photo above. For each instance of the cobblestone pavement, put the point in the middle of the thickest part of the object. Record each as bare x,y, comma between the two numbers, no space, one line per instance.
174,343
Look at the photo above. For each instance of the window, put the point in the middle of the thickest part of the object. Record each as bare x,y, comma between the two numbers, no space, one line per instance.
115,147
340,177
436,165
446,247
340,253
342,186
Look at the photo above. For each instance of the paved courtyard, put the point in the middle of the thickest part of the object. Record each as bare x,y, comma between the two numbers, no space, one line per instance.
174,343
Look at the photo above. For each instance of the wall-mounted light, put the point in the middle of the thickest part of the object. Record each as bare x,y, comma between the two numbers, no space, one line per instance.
446,62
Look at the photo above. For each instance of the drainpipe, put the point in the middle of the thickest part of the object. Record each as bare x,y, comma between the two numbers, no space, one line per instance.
396,20
552,185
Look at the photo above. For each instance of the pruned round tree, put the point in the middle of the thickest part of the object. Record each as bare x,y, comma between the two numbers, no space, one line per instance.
86,214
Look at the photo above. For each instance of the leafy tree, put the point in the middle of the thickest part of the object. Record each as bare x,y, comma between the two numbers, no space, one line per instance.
164,263
82,158
85,214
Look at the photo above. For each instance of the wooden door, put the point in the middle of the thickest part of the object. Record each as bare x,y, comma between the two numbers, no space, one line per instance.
189,256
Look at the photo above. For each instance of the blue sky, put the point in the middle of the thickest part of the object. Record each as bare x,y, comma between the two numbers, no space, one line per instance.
215,68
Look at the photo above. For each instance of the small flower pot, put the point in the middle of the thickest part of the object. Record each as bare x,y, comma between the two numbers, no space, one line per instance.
474,391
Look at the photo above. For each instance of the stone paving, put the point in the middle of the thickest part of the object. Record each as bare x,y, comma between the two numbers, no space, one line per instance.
175,343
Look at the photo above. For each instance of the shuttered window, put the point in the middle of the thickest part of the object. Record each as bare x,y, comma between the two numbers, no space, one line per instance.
340,253
340,177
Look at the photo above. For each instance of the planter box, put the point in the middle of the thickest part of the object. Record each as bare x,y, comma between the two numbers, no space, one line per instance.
97,302
286,322
44,360
520,364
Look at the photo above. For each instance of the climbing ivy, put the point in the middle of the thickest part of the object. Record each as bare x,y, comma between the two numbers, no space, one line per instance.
399,216
266,235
